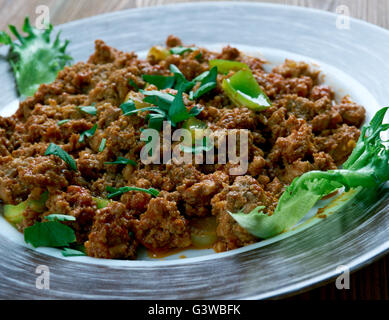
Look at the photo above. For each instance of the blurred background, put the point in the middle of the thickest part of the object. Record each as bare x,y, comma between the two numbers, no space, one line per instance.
372,282
61,11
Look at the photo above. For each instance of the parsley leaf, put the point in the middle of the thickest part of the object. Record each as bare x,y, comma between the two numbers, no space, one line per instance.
208,82
127,106
177,110
114,192
68,252
88,133
60,217
161,82
49,234
161,99
59,152
89,109
102,144
133,84
121,160
181,82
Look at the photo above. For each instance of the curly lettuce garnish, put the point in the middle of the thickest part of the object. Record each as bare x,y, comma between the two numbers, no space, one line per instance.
367,167
34,59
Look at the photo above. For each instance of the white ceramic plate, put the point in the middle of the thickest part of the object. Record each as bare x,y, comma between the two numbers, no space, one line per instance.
353,61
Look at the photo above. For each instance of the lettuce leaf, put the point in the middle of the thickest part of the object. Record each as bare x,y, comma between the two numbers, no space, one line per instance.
34,59
367,167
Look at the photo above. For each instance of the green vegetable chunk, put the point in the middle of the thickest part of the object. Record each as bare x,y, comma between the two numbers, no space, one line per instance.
244,91
367,167
34,59
224,66
100,202
49,234
14,214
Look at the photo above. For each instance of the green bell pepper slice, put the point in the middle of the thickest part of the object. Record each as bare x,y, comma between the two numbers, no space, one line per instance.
224,66
244,91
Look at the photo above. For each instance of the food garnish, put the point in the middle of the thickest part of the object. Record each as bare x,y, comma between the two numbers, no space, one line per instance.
59,152
35,59
367,167
244,91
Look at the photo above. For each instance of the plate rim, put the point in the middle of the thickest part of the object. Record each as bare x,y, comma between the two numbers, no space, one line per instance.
357,263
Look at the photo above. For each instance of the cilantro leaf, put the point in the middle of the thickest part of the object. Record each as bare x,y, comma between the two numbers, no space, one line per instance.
114,192
68,252
88,109
161,99
208,82
161,82
121,160
88,133
35,59
181,82
49,234
177,110
127,106
60,217
102,144
59,152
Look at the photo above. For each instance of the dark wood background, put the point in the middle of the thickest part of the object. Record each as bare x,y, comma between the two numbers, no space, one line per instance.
372,282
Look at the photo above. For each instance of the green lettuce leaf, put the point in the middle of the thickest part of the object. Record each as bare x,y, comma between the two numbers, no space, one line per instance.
34,59
367,167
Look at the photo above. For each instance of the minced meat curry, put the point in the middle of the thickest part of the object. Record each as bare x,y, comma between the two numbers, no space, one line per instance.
303,129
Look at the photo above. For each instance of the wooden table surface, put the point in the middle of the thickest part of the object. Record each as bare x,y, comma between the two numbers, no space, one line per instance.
372,282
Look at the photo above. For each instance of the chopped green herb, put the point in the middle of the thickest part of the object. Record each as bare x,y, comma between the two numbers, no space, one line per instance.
67,252
208,83
59,152
127,106
60,217
367,167
61,122
89,109
49,234
102,144
177,110
121,160
88,133
35,60
161,99
114,192
161,82
133,84
181,82
181,50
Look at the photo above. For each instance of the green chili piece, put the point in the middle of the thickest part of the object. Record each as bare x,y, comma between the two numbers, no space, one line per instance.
224,66
244,91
